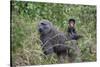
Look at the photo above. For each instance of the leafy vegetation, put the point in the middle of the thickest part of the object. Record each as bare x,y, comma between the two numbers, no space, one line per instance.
25,42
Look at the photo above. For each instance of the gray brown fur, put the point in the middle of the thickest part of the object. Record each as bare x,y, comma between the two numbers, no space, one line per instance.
53,40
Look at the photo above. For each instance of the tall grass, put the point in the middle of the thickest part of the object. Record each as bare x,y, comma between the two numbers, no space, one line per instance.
26,44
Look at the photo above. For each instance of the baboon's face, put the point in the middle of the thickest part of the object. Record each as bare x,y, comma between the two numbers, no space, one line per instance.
71,24
44,27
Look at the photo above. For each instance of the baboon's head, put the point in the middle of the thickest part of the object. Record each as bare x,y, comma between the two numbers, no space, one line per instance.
44,26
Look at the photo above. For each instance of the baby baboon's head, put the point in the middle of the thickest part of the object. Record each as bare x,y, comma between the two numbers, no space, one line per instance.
44,26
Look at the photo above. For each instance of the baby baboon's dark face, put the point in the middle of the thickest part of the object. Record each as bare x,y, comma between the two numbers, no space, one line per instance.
71,24
44,26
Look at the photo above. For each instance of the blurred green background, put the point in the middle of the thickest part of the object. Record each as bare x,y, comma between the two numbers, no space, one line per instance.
25,42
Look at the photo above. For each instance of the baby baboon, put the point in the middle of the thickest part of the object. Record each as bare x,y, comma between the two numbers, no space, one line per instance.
72,33
73,37
53,40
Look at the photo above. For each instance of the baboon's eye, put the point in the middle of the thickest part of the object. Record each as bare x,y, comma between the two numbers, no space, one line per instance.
43,24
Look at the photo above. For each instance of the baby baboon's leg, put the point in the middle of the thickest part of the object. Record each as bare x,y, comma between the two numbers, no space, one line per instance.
66,58
63,58
60,59
77,52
